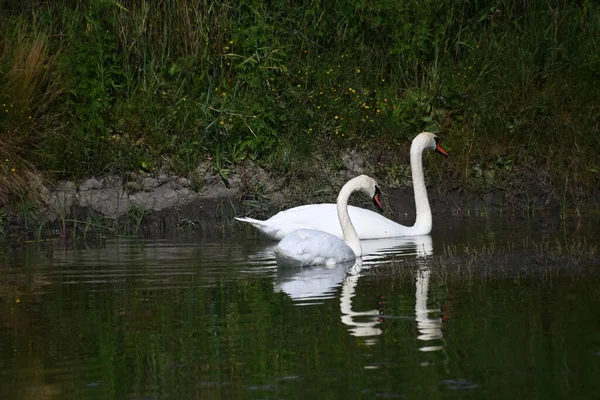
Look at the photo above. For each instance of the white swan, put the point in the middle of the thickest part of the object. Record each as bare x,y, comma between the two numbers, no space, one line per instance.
368,224
305,247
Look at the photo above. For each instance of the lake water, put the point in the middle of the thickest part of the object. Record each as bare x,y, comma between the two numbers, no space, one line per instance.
481,309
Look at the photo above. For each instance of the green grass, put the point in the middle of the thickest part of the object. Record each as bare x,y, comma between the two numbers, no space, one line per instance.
103,87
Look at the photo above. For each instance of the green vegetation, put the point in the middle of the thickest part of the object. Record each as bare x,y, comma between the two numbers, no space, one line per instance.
105,87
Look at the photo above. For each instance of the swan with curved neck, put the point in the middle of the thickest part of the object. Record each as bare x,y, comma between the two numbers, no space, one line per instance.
368,224
304,247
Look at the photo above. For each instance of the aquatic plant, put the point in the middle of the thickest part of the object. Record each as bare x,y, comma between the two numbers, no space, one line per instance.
545,256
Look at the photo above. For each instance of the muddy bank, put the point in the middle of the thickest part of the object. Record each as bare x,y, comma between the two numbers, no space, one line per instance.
163,202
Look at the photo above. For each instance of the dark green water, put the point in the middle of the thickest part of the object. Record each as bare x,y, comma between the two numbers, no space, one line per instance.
215,318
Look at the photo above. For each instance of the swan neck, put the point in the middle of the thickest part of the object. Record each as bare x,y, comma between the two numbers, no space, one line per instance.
350,236
423,220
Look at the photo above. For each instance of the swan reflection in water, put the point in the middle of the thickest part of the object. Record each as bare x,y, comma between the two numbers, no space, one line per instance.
430,328
312,284
364,324
309,285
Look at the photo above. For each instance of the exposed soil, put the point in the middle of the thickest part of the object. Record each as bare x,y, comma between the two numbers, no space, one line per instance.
155,203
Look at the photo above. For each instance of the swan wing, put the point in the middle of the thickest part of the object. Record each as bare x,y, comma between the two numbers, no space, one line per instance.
311,247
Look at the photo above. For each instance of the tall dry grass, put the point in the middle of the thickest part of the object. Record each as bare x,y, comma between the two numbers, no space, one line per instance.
29,86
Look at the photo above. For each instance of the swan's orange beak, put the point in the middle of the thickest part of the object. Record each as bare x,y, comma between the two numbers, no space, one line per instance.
377,199
439,149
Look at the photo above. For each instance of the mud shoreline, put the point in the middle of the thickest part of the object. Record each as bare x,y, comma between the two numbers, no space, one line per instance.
160,203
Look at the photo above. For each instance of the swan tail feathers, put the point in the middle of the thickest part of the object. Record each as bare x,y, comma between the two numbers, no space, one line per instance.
257,223
262,226
251,221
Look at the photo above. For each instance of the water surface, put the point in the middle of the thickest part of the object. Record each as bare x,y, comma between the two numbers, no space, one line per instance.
199,317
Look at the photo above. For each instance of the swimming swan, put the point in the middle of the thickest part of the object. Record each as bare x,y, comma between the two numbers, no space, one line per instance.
368,224
305,247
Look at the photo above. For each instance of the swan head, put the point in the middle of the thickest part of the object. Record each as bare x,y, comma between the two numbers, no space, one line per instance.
369,186
427,140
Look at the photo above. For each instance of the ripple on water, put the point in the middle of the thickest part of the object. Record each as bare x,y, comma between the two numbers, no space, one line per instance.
459,384
156,264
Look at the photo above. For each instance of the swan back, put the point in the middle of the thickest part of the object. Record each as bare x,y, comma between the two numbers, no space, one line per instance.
304,247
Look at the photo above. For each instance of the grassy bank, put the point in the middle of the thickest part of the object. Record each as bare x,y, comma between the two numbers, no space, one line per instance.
103,87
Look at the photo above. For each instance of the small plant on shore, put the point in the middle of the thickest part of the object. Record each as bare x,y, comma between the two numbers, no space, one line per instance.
133,219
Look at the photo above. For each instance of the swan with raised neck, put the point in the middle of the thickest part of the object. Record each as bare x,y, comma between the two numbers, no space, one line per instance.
368,224
426,140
